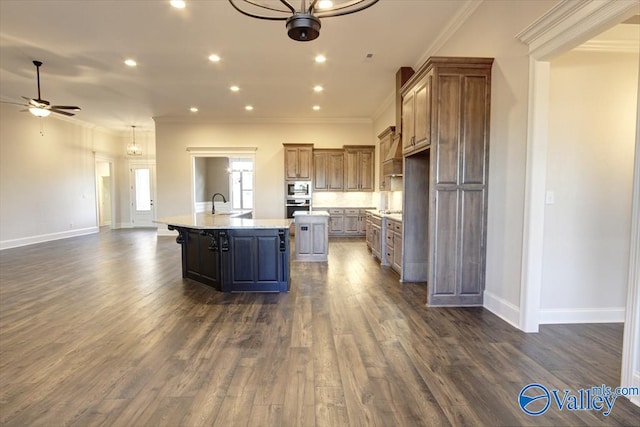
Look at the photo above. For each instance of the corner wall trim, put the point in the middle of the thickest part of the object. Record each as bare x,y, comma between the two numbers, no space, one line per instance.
502,308
582,315
32,240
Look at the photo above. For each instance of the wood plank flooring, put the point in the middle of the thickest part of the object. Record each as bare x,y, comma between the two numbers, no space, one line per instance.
102,330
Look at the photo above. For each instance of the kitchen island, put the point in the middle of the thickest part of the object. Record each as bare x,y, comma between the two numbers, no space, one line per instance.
232,253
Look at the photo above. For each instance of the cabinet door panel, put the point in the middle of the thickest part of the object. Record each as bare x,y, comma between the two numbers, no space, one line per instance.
351,171
446,224
449,129
244,252
422,107
305,165
319,171
335,172
267,268
407,122
366,170
474,133
319,242
291,163
472,243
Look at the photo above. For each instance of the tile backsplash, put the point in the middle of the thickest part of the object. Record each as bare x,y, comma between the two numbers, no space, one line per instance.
345,199
379,200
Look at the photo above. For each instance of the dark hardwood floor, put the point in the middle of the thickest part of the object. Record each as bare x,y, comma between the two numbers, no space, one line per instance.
102,330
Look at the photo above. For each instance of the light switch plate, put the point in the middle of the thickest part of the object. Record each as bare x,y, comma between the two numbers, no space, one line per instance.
550,198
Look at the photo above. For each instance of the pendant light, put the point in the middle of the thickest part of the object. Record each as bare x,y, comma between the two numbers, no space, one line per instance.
303,24
132,148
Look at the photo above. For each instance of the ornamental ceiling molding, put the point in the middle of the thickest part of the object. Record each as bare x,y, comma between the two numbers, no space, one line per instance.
610,46
571,23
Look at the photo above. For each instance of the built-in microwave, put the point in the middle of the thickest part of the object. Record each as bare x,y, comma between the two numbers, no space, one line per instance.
298,189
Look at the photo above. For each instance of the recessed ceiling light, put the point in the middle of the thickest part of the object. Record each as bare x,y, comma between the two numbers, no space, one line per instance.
130,62
316,107
320,59
325,4
249,107
180,4
234,88
318,88
214,58
193,109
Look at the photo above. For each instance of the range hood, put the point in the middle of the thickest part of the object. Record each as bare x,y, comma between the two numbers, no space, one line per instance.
391,158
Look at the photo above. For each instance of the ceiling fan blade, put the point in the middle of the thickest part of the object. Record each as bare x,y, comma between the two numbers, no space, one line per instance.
66,113
65,107
14,103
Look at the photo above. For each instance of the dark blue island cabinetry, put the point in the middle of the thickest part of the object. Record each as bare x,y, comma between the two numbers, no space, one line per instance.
244,255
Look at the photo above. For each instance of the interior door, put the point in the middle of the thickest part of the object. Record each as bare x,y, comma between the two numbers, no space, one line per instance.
143,178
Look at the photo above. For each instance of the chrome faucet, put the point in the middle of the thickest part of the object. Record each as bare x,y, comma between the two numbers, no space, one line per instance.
213,204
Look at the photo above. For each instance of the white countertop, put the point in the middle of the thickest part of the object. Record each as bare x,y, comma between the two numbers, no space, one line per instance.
205,220
394,216
311,213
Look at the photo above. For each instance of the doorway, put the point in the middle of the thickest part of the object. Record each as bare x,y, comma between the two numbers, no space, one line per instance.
105,190
230,173
142,178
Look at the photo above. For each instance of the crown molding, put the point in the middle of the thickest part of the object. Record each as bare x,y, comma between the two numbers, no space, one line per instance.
609,46
262,120
570,23
449,30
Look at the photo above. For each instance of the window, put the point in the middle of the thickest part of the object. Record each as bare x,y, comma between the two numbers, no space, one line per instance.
143,189
241,176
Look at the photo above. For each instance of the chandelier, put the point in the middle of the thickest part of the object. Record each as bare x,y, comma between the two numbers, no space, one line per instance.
132,148
303,24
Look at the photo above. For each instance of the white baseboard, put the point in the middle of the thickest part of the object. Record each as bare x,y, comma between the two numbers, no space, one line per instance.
124,225
32,240
582,315
502,308
636,383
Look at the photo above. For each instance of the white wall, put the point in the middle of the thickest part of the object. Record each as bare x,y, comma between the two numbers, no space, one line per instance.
173,161
589,171
47,182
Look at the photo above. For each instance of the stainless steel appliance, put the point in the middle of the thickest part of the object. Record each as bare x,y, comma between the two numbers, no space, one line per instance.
297,197
298,189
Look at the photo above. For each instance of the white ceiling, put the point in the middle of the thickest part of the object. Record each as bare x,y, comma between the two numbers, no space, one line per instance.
83,44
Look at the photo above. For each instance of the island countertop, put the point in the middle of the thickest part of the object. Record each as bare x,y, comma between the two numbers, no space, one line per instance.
205,220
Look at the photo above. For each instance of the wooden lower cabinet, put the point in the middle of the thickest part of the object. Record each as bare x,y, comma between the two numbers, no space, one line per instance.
393,258
347,222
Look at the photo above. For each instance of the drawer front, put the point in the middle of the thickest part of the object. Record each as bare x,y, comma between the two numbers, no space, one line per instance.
389,252
352,211
397,227
389,224
389,237
376,220
334,211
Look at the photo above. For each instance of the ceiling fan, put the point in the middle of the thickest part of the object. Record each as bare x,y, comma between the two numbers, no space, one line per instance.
42,108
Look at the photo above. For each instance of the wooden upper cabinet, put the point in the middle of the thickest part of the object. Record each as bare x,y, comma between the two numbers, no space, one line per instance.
416,115
298,161
328,170
408,132
359,167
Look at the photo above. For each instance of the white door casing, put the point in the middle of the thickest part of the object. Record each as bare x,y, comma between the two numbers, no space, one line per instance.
142,180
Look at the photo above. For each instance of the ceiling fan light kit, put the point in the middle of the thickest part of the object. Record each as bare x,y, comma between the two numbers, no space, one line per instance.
39,112
304,24
40,107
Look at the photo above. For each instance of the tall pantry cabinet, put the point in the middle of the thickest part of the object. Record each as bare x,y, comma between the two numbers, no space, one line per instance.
445,138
